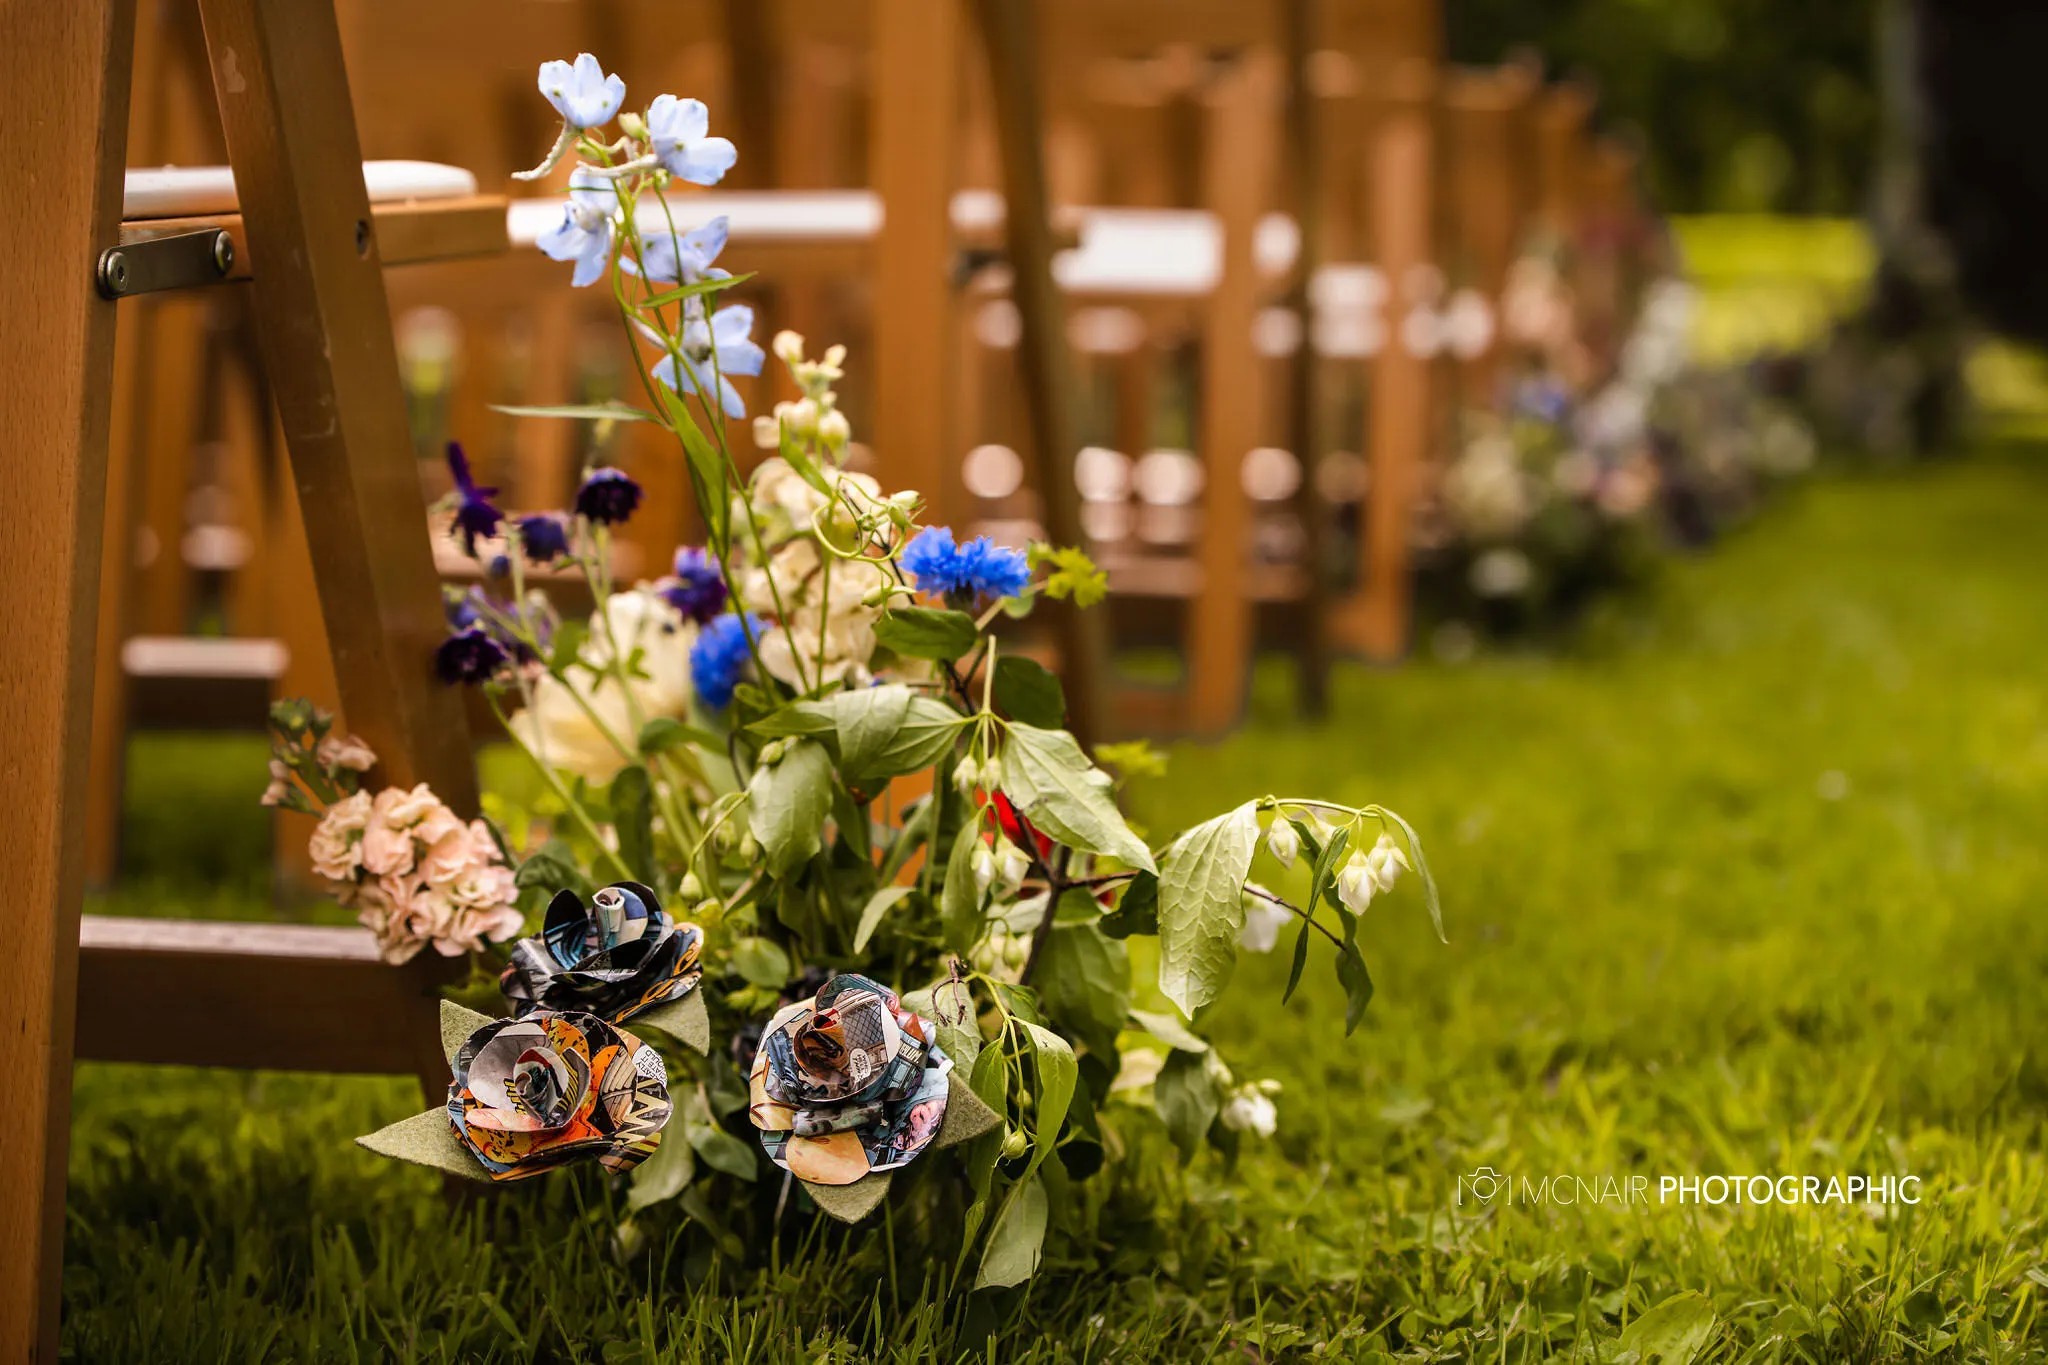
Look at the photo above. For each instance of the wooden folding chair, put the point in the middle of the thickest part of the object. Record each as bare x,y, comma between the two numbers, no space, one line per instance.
161,991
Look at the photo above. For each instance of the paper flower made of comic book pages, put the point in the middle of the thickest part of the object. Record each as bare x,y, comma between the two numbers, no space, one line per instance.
848,1083
535,1093
614,958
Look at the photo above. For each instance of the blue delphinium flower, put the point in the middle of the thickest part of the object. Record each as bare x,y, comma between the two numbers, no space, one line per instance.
608,496
980,568
544,536
697,589
686,258
474,514
720,656
678,130
585,233
582,93
725,337
469,656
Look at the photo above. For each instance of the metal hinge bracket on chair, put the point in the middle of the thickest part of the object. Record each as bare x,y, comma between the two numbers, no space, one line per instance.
179,261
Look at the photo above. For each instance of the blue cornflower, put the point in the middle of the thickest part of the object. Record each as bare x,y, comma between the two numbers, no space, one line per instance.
980,568
582,93
608,496
544,536
993,570
474,514
723,337
697,589
719,658
469,656
676,129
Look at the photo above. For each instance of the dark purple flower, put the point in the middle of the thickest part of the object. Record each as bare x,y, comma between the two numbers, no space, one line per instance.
697,589
544,536
608,496
469,656
474,514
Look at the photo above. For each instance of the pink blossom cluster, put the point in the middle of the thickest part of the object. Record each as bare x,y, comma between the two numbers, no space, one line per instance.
416,873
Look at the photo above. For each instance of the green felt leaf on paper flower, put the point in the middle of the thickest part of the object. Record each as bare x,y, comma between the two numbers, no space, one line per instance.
1201,906
967,1116
1051,780
687,1021
850,1203
787,804
457,1023
426,1140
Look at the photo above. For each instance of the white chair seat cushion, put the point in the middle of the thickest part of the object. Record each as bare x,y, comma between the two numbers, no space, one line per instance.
188,191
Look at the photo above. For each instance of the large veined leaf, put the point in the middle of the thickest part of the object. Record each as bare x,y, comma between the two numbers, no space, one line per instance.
1027,691
1201,906
1017,1237
787,803
927,633
1085,980
880,732
1051,781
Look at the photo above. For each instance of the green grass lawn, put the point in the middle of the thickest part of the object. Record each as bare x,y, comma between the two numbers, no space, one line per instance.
1750,881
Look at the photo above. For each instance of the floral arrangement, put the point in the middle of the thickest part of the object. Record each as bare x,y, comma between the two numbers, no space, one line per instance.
1573,482
911,896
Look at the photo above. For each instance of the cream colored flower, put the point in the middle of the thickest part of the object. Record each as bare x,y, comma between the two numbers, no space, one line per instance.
336,845
567,723
345,751
1250,1111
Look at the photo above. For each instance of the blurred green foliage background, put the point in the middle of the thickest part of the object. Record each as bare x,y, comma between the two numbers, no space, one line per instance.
1741,106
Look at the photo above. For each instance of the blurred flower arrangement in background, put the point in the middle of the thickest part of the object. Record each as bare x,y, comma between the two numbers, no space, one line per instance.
1579,476
822,740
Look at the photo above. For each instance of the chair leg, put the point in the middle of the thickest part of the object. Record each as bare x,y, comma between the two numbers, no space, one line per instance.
59,356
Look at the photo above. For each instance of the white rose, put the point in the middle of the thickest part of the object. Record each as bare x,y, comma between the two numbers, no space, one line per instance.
1250,1112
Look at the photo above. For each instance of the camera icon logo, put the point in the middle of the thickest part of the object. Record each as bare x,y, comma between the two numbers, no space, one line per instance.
1482,1185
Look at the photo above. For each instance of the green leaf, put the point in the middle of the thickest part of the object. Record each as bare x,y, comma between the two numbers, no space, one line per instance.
1357,983
850,1203
871,913
927,633
724,1152
960,903
799,459
1922,1309
1672,1333
787,804
1026,690
1169,1030
1201,906
1137,910
1294,968
1073,574
585,412
632,803
552,868
879,732
761,962
665,732
1051,781
687,1020
1084,979
1429,894
967,1114
426,1140
866,720
664,1175
1057,1073
457,1023
1185,1096
1011,1256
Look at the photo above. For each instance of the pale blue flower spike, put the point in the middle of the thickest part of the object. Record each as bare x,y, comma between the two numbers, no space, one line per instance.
582,94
